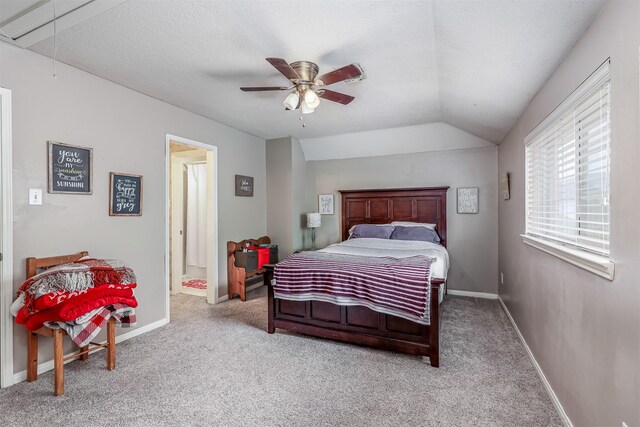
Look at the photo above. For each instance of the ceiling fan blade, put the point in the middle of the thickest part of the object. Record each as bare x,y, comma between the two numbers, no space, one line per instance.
284,68
338,97
347,72
263,88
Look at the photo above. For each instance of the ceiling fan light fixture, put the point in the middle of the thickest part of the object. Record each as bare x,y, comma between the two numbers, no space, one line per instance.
306,109
311,99
291,101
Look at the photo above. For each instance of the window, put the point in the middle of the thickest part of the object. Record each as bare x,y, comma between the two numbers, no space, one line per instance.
567,177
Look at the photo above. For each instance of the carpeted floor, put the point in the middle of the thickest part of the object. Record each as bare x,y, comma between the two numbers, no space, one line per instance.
216,365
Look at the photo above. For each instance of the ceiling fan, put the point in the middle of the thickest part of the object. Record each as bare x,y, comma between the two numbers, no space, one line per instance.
308,88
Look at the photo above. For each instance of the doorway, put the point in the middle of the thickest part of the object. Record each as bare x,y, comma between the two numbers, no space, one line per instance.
6,242
192,229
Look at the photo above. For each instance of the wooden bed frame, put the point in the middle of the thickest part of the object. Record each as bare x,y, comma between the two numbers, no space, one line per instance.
358,324
33,264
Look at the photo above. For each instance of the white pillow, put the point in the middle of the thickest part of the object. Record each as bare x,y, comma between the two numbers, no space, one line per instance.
414,224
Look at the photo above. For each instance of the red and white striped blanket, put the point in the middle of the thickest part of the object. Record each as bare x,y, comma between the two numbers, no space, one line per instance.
397,286
83,330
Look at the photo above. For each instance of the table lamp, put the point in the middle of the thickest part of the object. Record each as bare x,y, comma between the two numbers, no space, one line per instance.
314,220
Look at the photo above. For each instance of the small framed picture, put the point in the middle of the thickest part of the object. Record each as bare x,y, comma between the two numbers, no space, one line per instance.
70,169
244,186
468,200
125,194
325,204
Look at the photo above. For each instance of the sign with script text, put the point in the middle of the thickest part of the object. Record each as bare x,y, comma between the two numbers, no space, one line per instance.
70,169
125,195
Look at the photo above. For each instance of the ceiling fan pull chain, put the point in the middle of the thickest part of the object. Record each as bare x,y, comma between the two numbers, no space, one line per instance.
55,41
304,125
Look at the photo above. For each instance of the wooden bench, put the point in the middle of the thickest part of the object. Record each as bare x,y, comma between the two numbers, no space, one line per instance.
237,276
33,264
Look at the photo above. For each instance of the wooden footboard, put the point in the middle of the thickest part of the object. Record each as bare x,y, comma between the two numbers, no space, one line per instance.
357,324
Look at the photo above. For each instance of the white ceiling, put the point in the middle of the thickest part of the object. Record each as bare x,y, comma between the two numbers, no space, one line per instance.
472,64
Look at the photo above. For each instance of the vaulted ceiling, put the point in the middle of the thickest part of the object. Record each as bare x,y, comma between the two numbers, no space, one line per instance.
472,64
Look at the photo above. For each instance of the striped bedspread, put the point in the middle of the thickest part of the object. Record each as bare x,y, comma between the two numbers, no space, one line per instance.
396,286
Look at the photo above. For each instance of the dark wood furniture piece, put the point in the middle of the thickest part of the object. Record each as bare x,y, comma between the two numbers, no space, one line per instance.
33,264
237,276
358,324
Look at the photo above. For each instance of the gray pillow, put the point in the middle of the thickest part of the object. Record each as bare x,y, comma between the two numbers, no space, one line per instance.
371,231
422,234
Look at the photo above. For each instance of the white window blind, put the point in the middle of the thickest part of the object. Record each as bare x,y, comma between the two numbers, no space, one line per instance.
567,169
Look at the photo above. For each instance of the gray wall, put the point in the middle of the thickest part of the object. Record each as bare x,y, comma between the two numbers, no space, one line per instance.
472,239
127,132
584,330
299,187
286,177
279,194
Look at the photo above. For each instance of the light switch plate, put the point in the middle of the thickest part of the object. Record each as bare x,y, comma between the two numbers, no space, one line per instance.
35,196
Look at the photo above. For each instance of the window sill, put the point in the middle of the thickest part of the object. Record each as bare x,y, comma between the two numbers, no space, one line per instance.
596,264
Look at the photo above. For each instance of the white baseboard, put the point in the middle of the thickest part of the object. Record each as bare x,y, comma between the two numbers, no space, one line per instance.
552,394
48,365
224,298
484,295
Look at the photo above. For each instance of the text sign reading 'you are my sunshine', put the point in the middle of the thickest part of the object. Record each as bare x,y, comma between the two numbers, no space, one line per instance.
126,195
70,169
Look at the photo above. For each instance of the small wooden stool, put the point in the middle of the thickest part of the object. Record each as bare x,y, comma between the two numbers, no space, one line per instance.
33,264
58,355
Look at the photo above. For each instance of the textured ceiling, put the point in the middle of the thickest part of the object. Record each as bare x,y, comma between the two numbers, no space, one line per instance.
472,64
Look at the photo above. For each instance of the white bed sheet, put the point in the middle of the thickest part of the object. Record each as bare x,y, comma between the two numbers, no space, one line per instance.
397,249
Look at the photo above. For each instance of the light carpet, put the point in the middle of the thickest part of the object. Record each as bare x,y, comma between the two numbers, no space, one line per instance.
216,365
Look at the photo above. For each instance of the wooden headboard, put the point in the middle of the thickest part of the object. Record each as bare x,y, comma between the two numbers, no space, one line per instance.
383,206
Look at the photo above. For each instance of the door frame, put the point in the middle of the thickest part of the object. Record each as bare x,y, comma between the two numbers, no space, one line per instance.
178,161
212,216
6,237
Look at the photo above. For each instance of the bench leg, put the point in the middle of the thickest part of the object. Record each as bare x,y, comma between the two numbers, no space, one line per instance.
32,356
85,356
58,363
111,344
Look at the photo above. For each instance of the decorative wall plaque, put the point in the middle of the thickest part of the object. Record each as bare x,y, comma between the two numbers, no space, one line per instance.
244,186
468,200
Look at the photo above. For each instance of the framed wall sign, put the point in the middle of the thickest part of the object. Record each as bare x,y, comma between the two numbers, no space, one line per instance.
468,200
505,185
125,194
70,169
244,186
325,204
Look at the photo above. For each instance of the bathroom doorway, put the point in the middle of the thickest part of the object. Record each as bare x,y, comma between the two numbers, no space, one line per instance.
192,214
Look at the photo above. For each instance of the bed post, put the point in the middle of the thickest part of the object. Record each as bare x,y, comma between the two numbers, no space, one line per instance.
268,276
434,325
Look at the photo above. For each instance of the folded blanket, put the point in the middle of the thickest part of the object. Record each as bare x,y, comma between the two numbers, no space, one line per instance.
73,277
54,298
76,303
79,305
83,333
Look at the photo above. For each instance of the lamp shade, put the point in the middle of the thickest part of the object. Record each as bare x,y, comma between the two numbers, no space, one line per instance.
306,109
314,220
311,99
291,101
